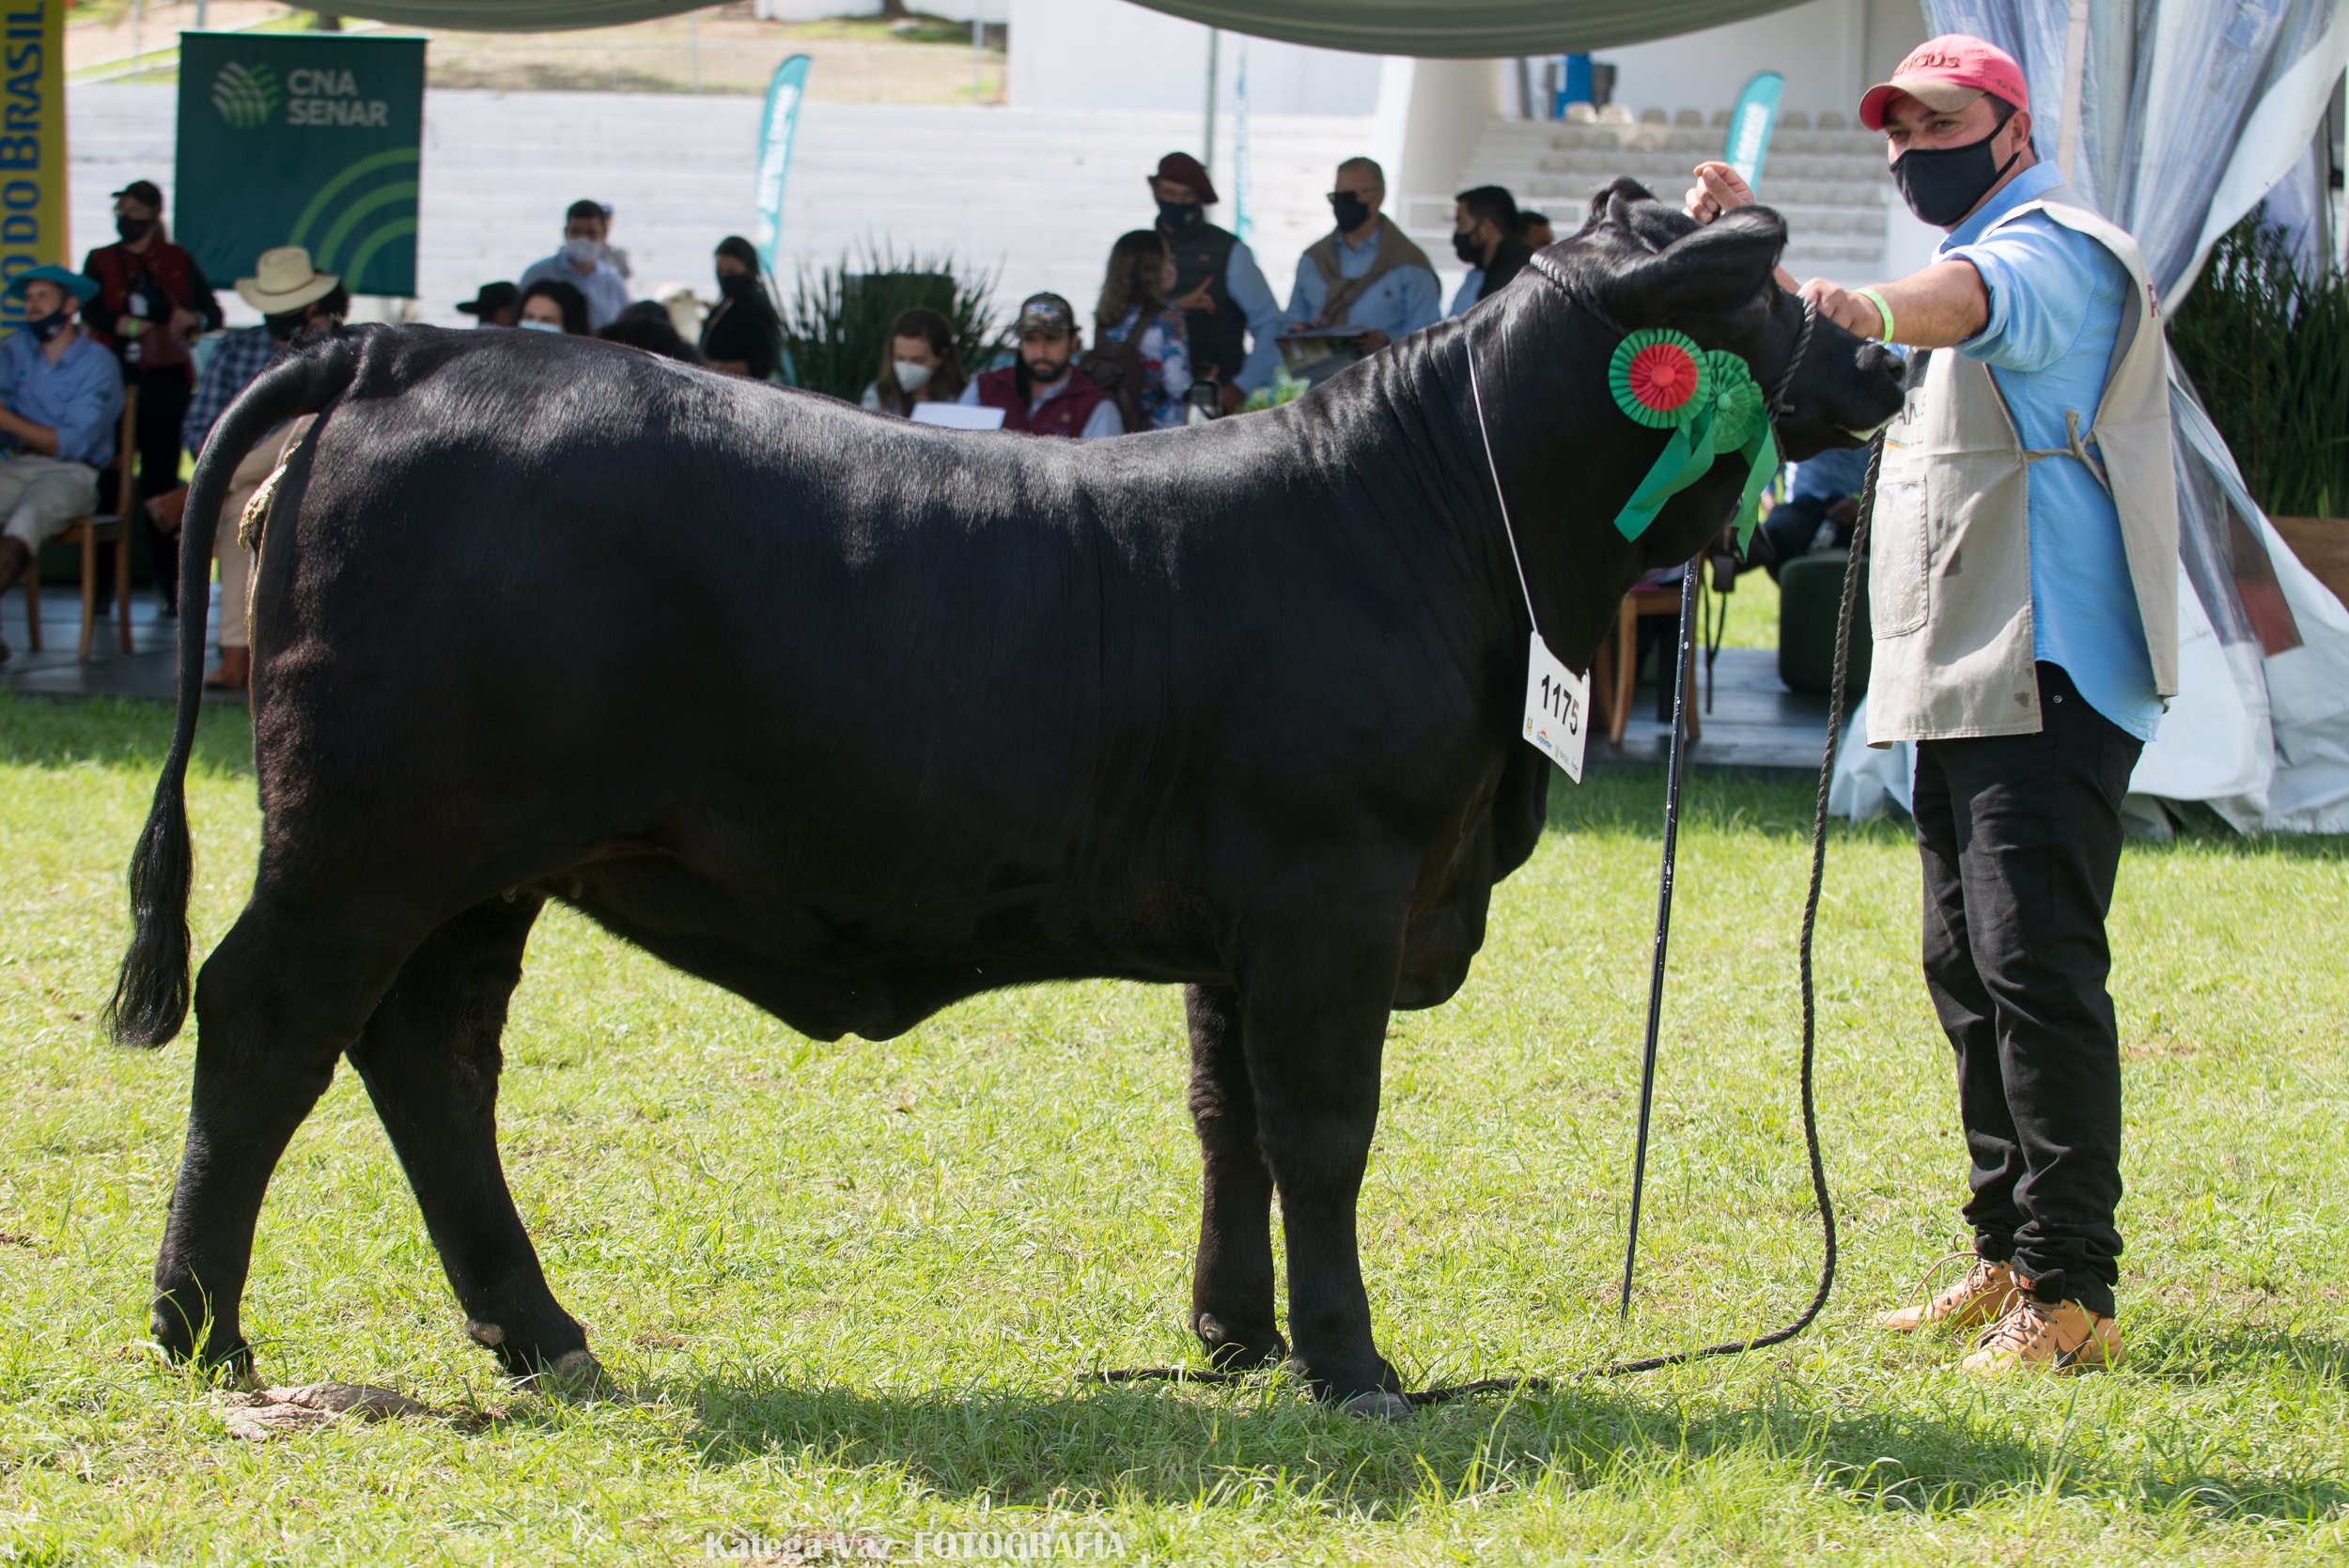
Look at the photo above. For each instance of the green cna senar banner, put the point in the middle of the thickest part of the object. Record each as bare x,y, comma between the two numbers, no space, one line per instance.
301,139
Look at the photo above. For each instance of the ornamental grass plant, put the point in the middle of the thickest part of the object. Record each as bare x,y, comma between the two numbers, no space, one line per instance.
2266,343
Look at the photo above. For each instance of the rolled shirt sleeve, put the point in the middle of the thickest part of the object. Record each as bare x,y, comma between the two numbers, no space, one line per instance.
2043,281
1244,281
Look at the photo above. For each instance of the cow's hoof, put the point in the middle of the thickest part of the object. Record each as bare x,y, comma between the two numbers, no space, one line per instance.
224,1355
574,1374
1377,1406
1238,1350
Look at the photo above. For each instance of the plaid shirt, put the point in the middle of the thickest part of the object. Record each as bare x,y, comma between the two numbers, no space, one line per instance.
241,355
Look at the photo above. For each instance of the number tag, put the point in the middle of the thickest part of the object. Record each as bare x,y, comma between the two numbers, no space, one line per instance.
1557,708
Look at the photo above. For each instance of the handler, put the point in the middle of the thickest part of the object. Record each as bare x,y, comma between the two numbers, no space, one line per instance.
2023,584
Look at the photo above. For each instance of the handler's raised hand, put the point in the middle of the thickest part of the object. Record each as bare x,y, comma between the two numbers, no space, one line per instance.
1718,189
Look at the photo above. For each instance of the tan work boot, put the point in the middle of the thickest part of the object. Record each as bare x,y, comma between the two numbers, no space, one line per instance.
2045,1336
1982,1297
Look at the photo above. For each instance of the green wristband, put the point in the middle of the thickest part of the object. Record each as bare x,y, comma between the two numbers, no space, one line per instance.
1882,309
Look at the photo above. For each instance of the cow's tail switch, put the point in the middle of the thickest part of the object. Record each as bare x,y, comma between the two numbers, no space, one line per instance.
150,1000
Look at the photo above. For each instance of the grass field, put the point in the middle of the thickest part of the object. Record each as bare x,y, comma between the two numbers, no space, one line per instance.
850,1288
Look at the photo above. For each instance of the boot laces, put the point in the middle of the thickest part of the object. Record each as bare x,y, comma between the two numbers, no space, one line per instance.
1973,1278
2021,1329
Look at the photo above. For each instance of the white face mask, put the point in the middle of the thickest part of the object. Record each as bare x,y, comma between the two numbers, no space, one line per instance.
539,326
913,376
581,250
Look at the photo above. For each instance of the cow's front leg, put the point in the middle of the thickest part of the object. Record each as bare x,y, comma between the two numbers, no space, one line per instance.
1314,1022
430,1059
1231,1286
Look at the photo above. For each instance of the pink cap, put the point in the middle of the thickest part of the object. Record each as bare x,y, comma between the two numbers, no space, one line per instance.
1947,73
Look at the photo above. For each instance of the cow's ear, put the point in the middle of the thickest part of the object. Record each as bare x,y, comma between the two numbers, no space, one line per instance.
1709,271
1611,203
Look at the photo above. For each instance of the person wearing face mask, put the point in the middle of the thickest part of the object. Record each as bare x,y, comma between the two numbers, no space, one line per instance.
918,365
1230,317
552,305
1488,233
60,401
1045,394
152,302
2023,585
1364,272
580,264
742,333
296,302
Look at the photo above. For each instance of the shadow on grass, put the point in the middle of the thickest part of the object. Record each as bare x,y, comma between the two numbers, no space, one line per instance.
118,732
1212,1446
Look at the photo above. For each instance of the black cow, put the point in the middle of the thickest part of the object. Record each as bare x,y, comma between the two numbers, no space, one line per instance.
855,718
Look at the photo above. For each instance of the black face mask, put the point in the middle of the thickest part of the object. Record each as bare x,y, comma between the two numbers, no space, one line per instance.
43,327
1943,185
1352,212
1467,247
282,328
133,229
1179,214
731,284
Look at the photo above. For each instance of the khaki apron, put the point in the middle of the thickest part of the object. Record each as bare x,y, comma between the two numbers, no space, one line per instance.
1949,571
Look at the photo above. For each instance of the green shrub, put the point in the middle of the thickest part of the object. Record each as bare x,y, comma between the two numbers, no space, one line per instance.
2266,347
834,328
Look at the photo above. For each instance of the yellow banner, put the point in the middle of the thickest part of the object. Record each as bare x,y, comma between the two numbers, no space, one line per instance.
32,142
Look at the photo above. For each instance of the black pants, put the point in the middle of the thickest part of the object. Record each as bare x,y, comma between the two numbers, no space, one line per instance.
163,406
2021,840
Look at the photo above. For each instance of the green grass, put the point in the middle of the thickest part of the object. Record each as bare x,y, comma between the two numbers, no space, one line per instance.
847,1287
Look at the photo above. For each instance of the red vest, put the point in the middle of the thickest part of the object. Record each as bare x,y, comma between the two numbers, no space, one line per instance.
1063,415
169,272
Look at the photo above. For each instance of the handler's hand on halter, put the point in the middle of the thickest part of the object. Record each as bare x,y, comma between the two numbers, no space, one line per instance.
1854,313
1718,189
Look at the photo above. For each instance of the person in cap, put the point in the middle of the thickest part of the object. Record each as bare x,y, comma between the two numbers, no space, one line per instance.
1044,393
1230,317
496,305
1364,272
60,400
2023,583
295,300
152,302
1487,235
580,264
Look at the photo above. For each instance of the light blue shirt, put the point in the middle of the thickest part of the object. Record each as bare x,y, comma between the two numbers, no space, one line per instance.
80,397
606,290
1471,287
2056,300
1245,282
1399,303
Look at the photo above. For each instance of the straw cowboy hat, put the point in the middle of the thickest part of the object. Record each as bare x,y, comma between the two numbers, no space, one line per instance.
285,281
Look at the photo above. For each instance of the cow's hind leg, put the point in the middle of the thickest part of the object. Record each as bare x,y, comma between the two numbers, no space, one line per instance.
1314,1022
1231,1288
277,1003
430,1060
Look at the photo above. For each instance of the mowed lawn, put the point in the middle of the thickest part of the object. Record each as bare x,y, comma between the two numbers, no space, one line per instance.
853,1287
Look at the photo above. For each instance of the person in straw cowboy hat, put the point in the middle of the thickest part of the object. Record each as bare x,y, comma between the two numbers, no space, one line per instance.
60,399
293,298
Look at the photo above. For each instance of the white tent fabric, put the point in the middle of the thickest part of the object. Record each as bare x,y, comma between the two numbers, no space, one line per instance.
2177,118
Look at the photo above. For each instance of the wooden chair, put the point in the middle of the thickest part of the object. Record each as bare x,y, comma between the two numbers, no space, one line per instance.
89,533
1616,670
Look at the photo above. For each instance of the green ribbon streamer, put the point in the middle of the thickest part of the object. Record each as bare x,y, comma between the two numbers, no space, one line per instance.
1727,416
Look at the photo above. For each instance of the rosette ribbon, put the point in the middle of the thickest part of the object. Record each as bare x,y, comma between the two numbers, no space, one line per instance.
1710,403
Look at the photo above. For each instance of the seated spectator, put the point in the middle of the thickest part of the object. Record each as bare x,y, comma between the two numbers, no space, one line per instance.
580,264
646,325
1134,310
743,335
60,401
1819,511
295,300
152,302
494,306
1045,394
1485,235
1534,229
551,305
1364,272
920,364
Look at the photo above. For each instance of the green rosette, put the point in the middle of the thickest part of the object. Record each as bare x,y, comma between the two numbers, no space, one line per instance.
1737,411
1685,374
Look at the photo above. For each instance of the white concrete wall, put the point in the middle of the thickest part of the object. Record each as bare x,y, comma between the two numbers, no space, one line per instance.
1109,56
1818,47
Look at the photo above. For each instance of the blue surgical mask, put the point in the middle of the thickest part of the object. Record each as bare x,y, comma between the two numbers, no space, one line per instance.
538,326
580,251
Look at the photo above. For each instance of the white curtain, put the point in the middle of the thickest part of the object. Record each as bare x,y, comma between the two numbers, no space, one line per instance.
2174,117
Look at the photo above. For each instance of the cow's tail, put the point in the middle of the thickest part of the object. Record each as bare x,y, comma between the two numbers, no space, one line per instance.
150,1000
